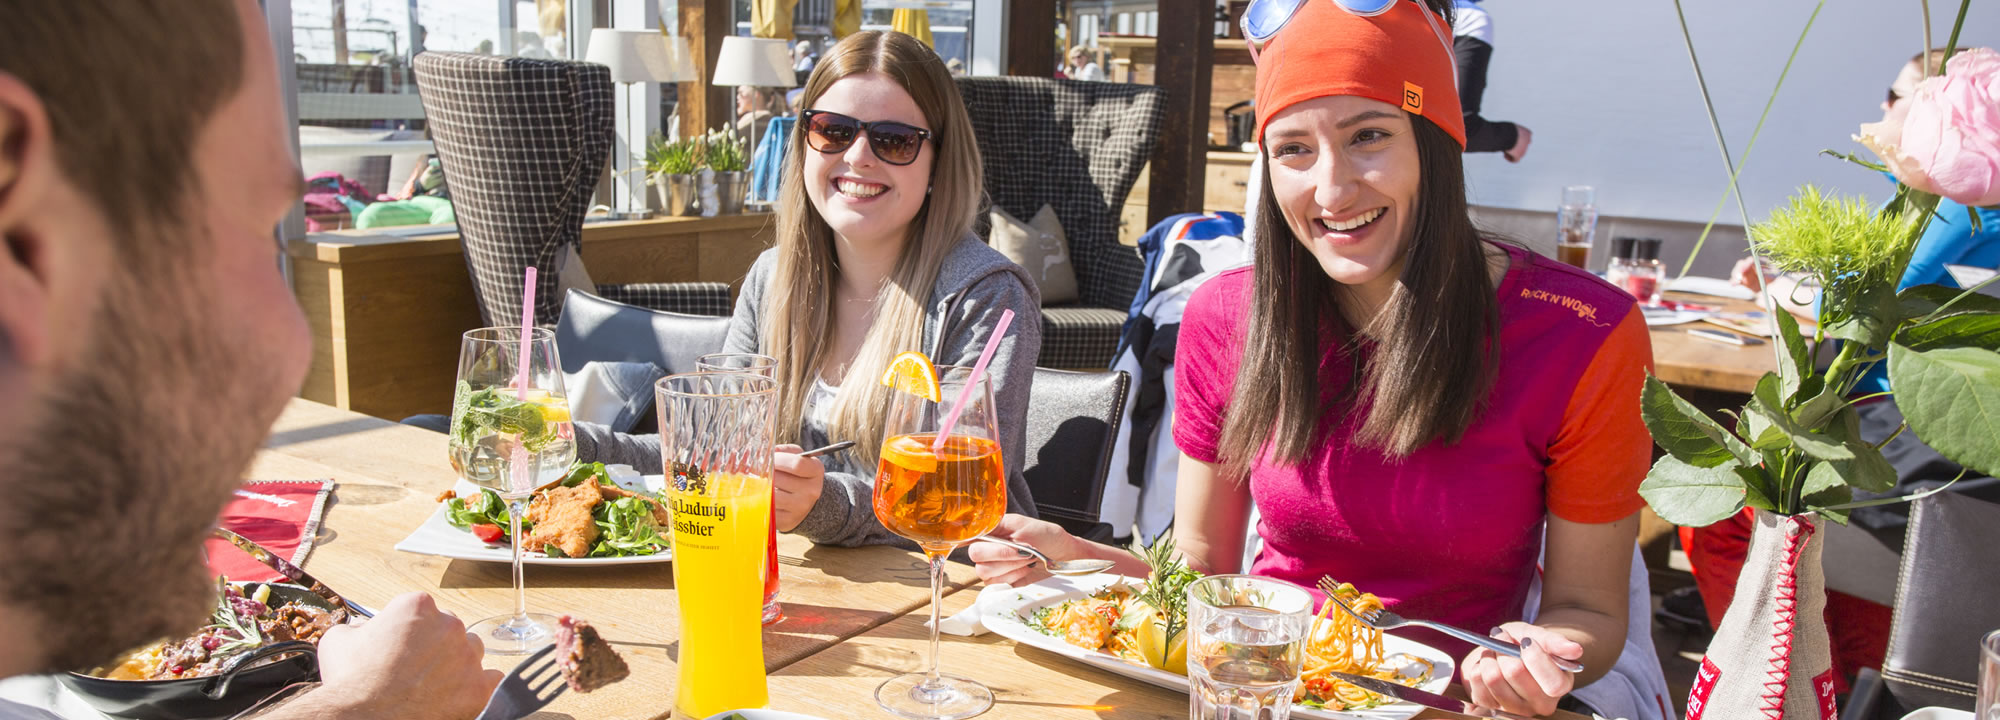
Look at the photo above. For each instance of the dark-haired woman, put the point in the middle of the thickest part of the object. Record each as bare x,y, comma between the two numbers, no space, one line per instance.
1408,406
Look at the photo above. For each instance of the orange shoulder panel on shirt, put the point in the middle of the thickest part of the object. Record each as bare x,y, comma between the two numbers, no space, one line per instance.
1602,450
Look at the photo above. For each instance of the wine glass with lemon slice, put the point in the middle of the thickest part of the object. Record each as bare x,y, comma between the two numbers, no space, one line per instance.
511,433
940,494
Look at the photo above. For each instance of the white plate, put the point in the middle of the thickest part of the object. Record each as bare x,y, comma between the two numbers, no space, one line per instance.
437,537
1717,287
1658,317
1002,610
763,715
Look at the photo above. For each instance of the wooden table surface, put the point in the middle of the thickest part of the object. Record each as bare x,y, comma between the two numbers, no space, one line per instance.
1027,682
1684,360
856,615
389,477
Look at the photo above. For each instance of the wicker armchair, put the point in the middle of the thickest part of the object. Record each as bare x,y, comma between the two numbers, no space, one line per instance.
523,142
1077,147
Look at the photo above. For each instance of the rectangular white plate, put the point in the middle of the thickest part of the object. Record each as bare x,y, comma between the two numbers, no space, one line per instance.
1001,609
437,537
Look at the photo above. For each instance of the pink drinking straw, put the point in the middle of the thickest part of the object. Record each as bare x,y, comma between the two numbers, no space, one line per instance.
972,380
520,479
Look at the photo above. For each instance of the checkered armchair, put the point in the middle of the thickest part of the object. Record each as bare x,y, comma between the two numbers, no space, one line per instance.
1078,147
523,142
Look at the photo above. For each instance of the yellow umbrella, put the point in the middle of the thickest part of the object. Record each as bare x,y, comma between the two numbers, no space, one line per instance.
846,17
915,23
772,18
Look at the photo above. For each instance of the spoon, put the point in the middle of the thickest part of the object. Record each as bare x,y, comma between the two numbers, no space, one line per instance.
1088,566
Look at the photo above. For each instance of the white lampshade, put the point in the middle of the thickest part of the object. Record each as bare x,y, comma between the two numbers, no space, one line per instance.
641,55
758,62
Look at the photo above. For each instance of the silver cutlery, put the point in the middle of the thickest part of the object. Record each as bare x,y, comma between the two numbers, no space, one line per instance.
1382,619
341,606
1066,567
526,689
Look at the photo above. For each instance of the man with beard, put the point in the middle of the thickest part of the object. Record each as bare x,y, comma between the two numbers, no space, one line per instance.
148,341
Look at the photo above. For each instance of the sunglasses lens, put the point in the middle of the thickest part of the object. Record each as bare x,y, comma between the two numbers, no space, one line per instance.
830,133
1366,8
895,144
1264,18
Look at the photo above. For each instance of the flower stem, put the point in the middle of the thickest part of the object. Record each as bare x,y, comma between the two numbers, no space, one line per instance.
1950,46
1924,64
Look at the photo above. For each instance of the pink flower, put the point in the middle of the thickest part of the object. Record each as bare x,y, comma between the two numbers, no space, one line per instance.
1945,139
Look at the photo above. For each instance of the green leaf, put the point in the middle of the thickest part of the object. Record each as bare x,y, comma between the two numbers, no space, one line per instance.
1921,300
1759,490
552,551
1691,495
1951,399
1687,433
1767,403
1968,329
1821,477
1828,503
1814,413
1792,373
1867,317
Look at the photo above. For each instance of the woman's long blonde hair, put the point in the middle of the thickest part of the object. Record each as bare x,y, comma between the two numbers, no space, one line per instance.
797,315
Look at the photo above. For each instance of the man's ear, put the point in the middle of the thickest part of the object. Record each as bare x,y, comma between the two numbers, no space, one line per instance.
27,172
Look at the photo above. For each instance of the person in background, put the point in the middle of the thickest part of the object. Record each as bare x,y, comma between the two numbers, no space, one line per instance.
1410,408
139,288
803,60
1472,47
1860,629
956,66
755,106
875,256
1083,65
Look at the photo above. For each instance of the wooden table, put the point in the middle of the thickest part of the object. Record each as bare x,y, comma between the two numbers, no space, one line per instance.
386,311
389,477
856,615
1685,361
1027,682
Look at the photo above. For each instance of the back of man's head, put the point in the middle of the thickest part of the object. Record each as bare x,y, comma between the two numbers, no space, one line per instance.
127,85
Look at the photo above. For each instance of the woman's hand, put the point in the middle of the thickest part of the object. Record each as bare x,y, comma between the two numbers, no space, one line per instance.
1529,685
795,485
1746,273
1002,565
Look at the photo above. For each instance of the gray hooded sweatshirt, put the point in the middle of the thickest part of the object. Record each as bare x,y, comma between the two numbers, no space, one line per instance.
975,284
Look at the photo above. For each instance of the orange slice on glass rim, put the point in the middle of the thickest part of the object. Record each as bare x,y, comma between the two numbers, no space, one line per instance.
913,373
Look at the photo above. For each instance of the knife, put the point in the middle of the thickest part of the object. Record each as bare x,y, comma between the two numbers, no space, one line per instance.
1423,697
341,606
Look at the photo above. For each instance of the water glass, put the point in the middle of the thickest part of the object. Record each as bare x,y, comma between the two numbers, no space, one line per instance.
715,442
1988,706
1576,225
511,433
1246,646
766,366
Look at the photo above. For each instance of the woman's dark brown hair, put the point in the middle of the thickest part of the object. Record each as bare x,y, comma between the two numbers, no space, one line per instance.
1431,364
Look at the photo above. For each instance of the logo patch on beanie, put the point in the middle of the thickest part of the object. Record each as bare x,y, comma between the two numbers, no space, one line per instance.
1413,97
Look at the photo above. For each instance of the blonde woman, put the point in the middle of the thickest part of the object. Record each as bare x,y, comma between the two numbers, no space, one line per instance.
875,256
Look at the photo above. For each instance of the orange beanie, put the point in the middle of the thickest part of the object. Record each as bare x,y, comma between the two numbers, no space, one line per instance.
1395,57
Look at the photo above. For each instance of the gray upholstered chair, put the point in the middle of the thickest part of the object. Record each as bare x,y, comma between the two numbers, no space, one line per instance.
1077,147
523,143
1070,437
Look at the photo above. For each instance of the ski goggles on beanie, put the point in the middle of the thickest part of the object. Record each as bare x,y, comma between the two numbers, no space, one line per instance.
1393,51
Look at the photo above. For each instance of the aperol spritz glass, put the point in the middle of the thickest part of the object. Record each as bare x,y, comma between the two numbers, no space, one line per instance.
940,494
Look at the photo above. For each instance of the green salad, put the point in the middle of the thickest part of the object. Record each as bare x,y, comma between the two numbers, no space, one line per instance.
623,523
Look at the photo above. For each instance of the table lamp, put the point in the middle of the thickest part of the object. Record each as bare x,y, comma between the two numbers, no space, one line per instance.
756,62
637,56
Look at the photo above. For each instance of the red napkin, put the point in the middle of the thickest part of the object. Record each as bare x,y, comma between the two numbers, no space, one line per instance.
282,515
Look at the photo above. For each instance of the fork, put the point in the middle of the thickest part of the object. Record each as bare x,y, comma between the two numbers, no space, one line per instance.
526,689
1382,619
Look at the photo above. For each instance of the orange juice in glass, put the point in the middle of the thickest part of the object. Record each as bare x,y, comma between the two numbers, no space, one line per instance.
940,495
715,437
